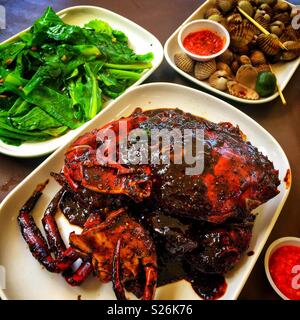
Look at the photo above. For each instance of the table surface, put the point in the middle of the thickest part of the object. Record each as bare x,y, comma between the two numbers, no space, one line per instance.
162,17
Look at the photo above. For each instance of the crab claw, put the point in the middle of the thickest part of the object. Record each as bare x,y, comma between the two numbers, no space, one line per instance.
150,274
118,248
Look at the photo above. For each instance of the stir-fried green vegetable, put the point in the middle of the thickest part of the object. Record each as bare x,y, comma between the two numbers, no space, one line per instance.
56,76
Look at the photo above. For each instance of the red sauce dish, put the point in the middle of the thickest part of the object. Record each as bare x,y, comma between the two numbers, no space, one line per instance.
282,264
203,40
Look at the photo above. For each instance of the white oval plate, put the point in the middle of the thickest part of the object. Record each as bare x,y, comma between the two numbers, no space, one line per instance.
283,71
26,279
141,41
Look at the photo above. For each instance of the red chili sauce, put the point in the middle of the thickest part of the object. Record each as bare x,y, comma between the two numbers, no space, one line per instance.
284,266
203,43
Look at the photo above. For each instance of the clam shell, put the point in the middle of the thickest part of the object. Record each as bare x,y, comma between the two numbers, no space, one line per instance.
245,59
247,76
226,57
269,2
281,6
247,7
269,44
283,17
257,58
222,66
293,50
242,34
277,27
235,66
239,90
263,67
226,6
184,62
291,33
203,70
210,12
219,79
266,8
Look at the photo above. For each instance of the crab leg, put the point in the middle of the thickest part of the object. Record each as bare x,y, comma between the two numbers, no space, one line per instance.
76,278
57,244
151,281
35,240
55,241
116,272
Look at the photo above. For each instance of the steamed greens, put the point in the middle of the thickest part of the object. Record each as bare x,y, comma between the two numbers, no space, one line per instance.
56,76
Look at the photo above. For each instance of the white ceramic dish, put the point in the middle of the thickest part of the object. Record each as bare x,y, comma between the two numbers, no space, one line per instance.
286,241
33,282
203,24
140,40
283,71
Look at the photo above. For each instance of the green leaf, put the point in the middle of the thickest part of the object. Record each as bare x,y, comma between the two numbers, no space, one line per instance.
19,108
35,119
56,104
99,26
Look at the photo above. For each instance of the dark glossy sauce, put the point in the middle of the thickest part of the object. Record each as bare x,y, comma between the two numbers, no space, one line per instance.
179,215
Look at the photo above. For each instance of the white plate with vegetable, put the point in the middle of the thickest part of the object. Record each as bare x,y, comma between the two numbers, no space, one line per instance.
62,72
282,70
34,282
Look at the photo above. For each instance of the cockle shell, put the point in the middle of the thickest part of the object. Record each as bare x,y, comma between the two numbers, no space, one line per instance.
247,7
247,75
242,34
234,18
263,22
239,90
293,50
277,27
224,67
184,62
226,6
257,58
203,70
219,79
269,44
226,57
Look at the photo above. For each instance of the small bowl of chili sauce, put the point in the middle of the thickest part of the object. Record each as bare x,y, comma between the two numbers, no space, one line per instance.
282,265
203,40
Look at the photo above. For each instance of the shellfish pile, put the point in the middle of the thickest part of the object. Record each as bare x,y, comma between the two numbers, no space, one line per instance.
250,51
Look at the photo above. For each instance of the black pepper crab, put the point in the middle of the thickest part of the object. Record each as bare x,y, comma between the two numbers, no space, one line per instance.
128,213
